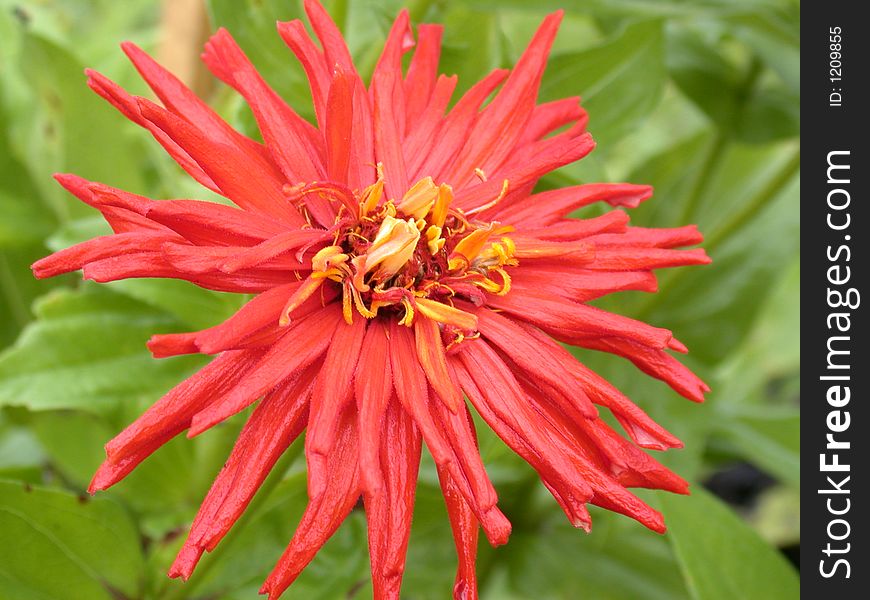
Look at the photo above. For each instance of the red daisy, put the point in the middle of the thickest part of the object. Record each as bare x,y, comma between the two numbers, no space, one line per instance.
400,263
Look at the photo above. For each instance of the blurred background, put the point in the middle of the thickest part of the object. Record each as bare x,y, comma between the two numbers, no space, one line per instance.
698,98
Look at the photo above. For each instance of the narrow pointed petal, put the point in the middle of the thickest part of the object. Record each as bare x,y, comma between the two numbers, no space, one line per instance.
241,176
129,107
209,223
75,257
555,317
273,426
178,98
528,356
373,387
656,363
422,72
324,513
389,510
440,153
313,62
299,347
411,389
296,147
430,353
550,116
171,415
332,394
339,127
493,137
548,207
465,532
498,398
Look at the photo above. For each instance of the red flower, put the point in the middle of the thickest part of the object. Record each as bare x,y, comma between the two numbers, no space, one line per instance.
400,260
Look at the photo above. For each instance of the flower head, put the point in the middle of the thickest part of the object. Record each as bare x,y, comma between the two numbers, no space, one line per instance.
400,262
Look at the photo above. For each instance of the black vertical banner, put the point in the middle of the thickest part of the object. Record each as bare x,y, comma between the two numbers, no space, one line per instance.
835,426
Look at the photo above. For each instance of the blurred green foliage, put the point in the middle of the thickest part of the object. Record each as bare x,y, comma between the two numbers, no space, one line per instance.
698,98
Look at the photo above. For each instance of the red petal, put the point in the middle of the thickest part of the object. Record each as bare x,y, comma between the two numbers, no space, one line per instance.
536,161
612,222
275,247
642,429
550,116
294,144
324,513
301,345
389,510
657,237
411,389
430,353
210,223
247,324
388,125
246,179
454,133
75,257
494,135
539,362
339,127
637,258
313,62
332,393
273,426
499,399
579,285
179,99
548,207
373,385
654,362
465,530
563,319
422,72
424,131
129,107
153,264
171,415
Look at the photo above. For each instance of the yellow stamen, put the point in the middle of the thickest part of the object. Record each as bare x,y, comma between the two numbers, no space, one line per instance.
434,241
504,190
444,313
467,250
302,293
393,247
441,206
418,200
370,197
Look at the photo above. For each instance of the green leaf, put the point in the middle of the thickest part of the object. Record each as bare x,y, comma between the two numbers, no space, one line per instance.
21,456
720,556
699,68
767,437
618,560
620,81
749,102
65,127
57,545
87,351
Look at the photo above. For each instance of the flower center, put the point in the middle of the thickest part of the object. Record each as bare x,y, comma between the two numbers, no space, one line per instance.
411,256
